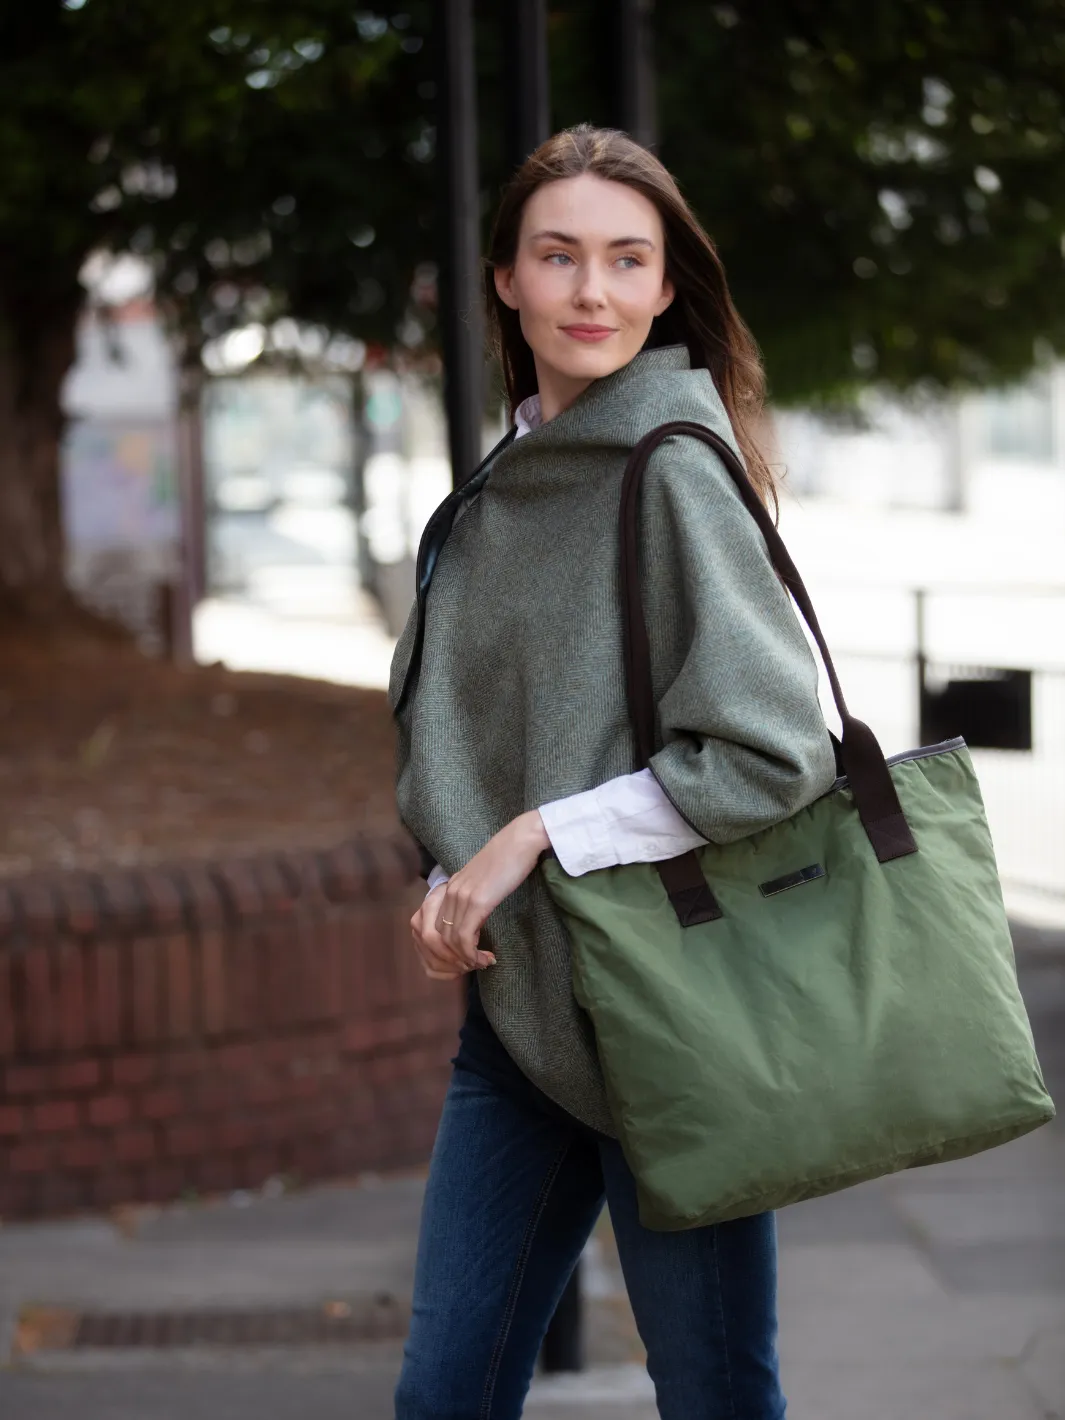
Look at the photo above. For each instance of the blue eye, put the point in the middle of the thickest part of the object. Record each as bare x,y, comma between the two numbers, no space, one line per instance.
565,254
635,261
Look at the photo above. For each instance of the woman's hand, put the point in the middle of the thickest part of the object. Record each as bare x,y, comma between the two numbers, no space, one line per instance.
447,926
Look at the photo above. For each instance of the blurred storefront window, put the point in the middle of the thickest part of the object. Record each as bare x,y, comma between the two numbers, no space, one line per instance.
118,468
1019,422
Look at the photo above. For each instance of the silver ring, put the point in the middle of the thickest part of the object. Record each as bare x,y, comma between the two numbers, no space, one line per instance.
445,923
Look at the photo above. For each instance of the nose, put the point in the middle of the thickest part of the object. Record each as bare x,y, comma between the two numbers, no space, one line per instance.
590,286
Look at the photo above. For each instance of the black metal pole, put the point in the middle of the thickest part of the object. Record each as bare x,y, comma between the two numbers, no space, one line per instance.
528,124
635,96
461,310
528,97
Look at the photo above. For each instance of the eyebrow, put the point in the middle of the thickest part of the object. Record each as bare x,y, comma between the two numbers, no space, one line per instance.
576,241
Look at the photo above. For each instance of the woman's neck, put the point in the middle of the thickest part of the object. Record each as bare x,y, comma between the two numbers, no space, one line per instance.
557,391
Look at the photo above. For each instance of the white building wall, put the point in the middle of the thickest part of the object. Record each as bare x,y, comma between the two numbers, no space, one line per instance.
864,515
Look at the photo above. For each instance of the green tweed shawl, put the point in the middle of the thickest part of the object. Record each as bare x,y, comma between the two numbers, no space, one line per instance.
519,698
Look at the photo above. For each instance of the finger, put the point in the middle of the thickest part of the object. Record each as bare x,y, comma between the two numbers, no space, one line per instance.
423,925
436,953
436,957
465,935
452,913
459,922
442,975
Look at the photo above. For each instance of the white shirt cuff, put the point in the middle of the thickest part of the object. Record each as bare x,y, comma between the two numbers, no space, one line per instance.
435,878
626,820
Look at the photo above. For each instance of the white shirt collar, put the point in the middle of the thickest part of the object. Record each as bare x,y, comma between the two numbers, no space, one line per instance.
527,416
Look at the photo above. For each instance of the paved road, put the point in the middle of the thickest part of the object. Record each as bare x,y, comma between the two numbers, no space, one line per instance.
937,1294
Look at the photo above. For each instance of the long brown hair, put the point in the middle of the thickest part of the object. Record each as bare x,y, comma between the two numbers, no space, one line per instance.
701,314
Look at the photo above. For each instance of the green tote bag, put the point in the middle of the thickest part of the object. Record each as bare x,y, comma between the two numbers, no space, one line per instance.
830,999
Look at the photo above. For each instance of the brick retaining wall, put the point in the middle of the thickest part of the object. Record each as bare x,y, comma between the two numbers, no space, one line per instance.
208,1026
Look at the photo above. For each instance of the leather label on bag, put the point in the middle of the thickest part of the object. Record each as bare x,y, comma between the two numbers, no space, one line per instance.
790,880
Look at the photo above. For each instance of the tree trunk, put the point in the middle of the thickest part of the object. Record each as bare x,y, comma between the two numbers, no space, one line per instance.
36,350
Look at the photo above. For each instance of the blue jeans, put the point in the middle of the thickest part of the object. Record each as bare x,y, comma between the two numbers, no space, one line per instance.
514,1191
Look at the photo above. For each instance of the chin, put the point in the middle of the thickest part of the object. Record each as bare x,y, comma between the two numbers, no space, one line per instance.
593,361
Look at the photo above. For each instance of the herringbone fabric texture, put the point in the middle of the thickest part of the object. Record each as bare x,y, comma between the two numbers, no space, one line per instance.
519,696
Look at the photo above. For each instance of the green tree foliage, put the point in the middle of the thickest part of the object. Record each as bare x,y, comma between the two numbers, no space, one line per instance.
266,158
264,155
886,183
886,180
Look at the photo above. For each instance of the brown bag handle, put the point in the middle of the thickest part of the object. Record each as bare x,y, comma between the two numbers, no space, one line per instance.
862,758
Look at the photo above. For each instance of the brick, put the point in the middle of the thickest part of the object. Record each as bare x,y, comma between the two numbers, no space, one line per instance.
162,895
134,1146
39,908
381,983
239,882
238,1058
162,1181
283,969
259,1165
145,992
344,872
229,1135
177,958
217,1175
40,1013
84,1074
393,1030
213,977
25,1080
406,851
70,997
108,1110
114,1186
185,1139
185,1064
134,1070
11,1121
330,982
274,890
8,1041
60,1192
238,969
125,908
318,965
307,1087
263,1089
205,903
106,994
30,1158
160,1104
354,966
395,866
303,870
80,908
380,1069
50,1116
216,1091
83,1151
9,917
359,1037
312,1157
16,1196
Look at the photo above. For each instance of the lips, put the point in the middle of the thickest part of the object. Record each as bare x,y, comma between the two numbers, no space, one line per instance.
589,332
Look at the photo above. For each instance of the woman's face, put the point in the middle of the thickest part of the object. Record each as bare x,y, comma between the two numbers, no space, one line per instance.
587,281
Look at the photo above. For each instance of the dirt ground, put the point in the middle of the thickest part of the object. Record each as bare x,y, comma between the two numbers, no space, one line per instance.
107,757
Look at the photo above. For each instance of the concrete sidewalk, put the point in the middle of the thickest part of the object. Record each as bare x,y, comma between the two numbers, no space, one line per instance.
937,1294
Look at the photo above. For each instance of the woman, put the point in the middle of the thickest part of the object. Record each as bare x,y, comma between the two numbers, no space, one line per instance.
612,316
